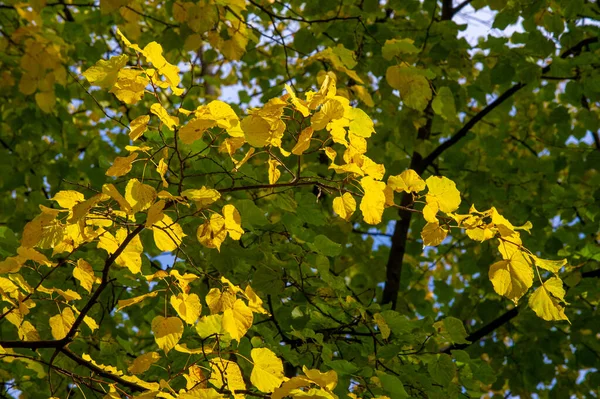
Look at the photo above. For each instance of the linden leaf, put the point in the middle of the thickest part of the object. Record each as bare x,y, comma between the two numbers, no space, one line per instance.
553,266
382,325
545,305
138,127
212,232
408,181
104,73
68,198
303,141
267,373
395,47
167,332
443,104
122,165
167,234
511,278
233,222
188,307
155,213
442,195
226,372
237,320
111,191
274,173
142,363
169,121
218,301
433,234
60,324
123,303
414,88
140,196
254,302
298,104
131,256
203,197
344,206
373,202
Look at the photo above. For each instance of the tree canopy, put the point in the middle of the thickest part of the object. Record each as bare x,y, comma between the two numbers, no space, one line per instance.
299,198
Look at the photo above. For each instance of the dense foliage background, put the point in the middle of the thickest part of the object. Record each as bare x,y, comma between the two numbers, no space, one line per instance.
512,119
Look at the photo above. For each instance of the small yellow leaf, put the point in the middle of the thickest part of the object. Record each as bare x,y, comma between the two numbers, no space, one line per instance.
344,206
169,121
274,173
408,181
553,266
138,127
303,141
267,373
104,73
60,324
203,197
167,234
433,234
298,104
237,320
123,303
27,332
218,301
140,196
122,165
545,305
111,191
188,307
68,198
254,302
511,278
233,222
142,363
442,195
373,202
155,213
167,332
382,325
226,372
212,232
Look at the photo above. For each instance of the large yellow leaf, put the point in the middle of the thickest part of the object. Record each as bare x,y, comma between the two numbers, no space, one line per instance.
155,213
60,324
303,141
408,181
233,222
68,198
111,191
130,86
511,278
442,196
267,373
142,363
188,307
85,274
167,332
344,206
138,127
228,373
203,196
373,202
327,380
212,232
131,257
140,196
122,165
167,234
553,266
169,121
218,301
105,73
545,300
433,234
237,320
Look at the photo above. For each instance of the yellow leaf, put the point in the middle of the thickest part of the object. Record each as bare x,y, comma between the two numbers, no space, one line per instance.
45,100
138,127
331,110
183,280
360,123
105,73
546,306
254,302
194,377
442,195
123,303
27,332
344,206
142,363
511,278
408,181
553,266
153,53
167,332
433,234
267,373
363,95
233,222
212,232
303,141
169,121
167,234
382,325
131,255
140,196
228,373
373,202
327,380
122,165
203,197
68,199
414,88
298,104
84,273
162,168
111,191
155,213
130,86
274,173
218,301
200,393
60,324
188,307
197,351
194,129
237,320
